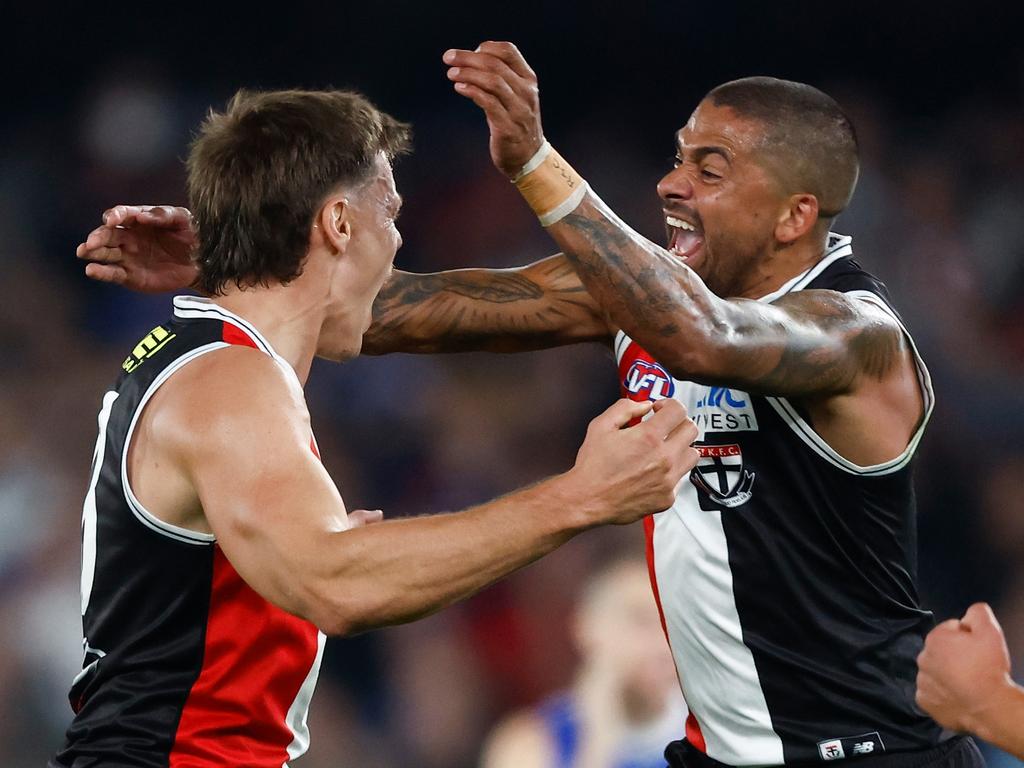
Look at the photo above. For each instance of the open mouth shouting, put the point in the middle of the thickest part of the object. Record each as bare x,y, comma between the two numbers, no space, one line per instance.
685,237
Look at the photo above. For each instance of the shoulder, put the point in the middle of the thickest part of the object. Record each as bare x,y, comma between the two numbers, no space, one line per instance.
521,740
853,311
223,396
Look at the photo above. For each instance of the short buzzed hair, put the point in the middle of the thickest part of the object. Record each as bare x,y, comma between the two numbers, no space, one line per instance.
809,141
259,170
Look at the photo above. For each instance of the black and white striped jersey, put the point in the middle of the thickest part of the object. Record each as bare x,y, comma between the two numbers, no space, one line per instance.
785,573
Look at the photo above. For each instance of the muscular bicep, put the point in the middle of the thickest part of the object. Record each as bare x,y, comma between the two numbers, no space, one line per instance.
264,494
807,344
541,305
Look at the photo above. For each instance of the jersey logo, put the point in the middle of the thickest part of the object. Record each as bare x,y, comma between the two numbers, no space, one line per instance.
724,410
719,473
149,346
650,379
716,394
851,746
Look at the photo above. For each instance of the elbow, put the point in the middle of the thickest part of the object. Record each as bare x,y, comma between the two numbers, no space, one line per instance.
337,617
335,611
693,351
700,360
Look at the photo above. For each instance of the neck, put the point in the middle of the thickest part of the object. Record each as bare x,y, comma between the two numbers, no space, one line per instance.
286,318
783,264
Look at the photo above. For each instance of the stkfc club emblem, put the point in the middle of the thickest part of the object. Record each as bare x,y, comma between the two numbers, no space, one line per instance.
719,473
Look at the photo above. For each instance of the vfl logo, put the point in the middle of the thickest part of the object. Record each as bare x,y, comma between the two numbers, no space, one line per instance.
650,379
720,474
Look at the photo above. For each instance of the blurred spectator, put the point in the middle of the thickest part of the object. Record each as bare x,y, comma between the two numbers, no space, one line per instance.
623,706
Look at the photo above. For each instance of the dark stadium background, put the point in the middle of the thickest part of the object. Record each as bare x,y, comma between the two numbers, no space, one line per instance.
98,103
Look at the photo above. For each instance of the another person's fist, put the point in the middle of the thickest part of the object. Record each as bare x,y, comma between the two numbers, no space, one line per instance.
964,670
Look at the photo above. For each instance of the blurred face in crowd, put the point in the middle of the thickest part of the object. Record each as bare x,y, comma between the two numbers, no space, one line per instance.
619,634
721,203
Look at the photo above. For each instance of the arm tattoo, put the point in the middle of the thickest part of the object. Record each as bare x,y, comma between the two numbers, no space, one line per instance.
807,343
534,307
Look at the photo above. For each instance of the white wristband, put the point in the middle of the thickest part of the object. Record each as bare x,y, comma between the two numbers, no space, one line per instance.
567,207
534,162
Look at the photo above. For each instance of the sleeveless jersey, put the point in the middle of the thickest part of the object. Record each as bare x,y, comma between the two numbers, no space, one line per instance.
185,665
640,746
785,574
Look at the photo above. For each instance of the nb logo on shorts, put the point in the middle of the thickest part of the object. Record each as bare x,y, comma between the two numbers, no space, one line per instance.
851,746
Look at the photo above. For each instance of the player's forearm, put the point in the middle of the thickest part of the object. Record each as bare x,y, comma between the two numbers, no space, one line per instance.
658,301
493,310
400,570
1003,724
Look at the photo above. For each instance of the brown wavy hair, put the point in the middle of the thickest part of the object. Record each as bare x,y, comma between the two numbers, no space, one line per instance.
258,172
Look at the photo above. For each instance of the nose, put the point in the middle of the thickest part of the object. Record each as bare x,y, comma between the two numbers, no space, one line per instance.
676,185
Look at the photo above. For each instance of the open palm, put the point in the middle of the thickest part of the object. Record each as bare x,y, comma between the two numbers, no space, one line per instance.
144,248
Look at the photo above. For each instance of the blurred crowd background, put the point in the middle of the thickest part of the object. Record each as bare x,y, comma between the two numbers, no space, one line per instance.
99,105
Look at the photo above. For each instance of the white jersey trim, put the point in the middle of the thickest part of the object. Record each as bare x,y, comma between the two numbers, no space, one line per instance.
89,514
839,246
299,710
146,517
806,432
196,307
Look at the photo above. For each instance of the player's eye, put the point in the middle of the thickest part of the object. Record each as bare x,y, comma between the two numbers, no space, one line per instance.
707,173
676,161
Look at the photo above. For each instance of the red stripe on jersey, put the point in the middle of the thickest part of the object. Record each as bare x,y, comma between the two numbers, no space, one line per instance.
256,658
649,537
693,734
232,334
633,353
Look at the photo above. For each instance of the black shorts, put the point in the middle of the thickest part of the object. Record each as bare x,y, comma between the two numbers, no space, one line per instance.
958,752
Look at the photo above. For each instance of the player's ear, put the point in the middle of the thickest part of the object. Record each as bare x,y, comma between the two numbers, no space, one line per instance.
797,218
334,220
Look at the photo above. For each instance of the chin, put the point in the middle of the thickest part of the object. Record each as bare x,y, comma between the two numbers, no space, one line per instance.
336,355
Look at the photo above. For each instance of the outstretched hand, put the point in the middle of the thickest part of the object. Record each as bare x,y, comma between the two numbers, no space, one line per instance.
497,79
145,248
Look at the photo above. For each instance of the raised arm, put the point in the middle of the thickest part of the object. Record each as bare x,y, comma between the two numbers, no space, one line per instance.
281,521
809,343
816,343
544,304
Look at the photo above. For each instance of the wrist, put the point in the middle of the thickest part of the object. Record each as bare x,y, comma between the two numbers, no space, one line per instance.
550,186
578,508
1001,716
